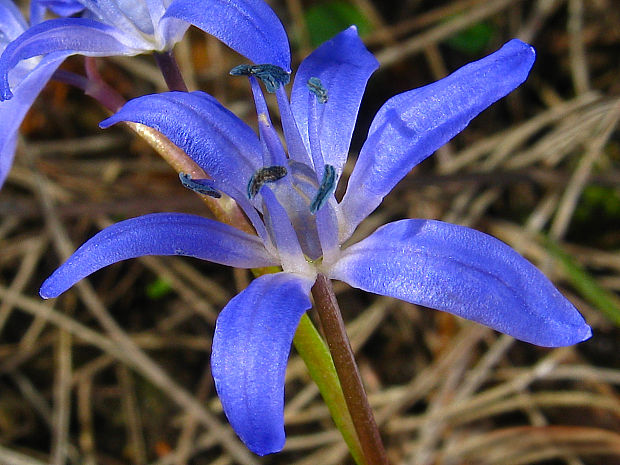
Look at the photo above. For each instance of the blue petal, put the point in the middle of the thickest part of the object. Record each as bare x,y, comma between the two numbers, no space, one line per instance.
465,272
12,23
67,35
249,27
283,233
343,65
251,345
62,8
217,140
327,229
12,111
159,234
411,126
294,144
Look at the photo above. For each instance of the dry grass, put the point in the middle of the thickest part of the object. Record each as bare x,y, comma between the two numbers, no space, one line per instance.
110,374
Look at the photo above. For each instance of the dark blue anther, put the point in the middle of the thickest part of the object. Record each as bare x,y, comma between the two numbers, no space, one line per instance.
316,87
328,184
272,76
264,176
202,186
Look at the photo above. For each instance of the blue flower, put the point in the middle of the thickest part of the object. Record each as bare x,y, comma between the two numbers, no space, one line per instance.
110,28
105,28
117,27
288,195
27,79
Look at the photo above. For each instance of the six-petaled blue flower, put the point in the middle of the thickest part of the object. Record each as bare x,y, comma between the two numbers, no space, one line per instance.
288,195
110,28
117,27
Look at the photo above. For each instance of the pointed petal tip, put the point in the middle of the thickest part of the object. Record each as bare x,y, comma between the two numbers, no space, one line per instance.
106,123
274,446
518,43
574,335
522,49
568,328
47,290
583,333
586,334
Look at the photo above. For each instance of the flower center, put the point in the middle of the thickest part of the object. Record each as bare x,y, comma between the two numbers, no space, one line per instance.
301,182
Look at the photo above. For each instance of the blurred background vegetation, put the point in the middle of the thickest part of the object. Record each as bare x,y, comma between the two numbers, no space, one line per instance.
117,370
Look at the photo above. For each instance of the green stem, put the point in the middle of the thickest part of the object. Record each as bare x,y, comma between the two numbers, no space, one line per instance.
316,356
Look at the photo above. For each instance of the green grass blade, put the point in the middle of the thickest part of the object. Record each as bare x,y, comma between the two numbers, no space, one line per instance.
585,284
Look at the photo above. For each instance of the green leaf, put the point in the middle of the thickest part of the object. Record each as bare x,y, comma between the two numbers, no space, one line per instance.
315,354
472,40
597,201
325,20
585,284
158,289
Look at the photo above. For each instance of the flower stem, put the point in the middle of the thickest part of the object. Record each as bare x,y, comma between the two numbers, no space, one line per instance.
348,373
98,89
170,70
225,209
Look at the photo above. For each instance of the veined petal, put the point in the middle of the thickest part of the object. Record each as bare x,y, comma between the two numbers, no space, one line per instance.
297,151
465,272
68,35
217,140
327,229
284,234
12,23
250,27
411,126
159,234
12,111
343,65
129,16
251,345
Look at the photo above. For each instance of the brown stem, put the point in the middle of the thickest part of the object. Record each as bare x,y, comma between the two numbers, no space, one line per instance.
350,379
99,89
225,209
92,85
170,70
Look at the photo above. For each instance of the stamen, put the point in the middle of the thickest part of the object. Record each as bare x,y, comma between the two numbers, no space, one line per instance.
202,186
264,176
328,184
272,76
316,87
